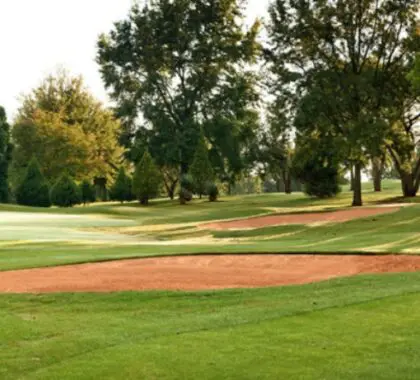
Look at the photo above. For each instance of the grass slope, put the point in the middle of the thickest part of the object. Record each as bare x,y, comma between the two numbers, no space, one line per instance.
358,328
38,237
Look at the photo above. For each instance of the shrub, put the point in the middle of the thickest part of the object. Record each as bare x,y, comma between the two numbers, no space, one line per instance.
33,189
65,192
212,192
121,190
186,189
146,179
201,170
87,192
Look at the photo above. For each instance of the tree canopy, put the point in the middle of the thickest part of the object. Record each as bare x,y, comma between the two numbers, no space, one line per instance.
62,125
176,67
347,55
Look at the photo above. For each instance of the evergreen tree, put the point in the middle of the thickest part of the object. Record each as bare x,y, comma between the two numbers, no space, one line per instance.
87,192
121,190
201,169
33,190
146,179
65,192
5,155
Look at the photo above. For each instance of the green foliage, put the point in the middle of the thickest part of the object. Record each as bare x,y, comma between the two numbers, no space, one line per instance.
186,188
349,84
5,156
122,188
182,68
146,179
65,192
317,165
414,75
87,192
213,192
201,169
33,189
61,124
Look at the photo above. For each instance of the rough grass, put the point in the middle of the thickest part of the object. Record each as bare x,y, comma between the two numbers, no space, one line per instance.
358,328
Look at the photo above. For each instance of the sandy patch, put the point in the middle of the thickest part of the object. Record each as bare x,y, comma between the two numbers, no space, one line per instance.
200,272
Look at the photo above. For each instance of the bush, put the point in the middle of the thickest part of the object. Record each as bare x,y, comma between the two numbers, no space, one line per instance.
201,169
212,192
65,192
87,192
146,179
121,190
33,190
322,181
186,189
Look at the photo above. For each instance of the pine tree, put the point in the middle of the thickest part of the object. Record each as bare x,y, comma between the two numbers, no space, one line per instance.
201,169
5,155
146,179
87,192
33,190
121,190
65,192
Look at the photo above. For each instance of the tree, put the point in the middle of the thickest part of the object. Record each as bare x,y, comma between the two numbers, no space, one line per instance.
414,75
33,189
348,54
317,164
146,179
182,67
65,192
87,192
201,170
121,190
5,156
62,125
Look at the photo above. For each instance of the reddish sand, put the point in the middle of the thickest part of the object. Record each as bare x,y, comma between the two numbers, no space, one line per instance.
200,272
277,220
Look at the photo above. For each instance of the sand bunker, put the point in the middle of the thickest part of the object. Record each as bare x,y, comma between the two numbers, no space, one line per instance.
200,272
315,217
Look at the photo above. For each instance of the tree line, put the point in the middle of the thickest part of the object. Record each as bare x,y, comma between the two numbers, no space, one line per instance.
201,99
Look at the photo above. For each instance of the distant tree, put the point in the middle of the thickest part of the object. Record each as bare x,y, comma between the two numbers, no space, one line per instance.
5,156
186,188
121,190
212,192
201,169
33,190
87,192
63,126
317,165
65,192
146,179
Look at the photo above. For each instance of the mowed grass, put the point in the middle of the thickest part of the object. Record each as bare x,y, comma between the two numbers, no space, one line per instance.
353,328
38,237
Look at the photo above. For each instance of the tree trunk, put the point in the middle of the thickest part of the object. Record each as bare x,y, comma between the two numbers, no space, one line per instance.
409,186
100,188
287,182
377,171
351,177
357,191
278,185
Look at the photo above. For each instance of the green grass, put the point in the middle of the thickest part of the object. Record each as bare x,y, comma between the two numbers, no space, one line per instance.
357,328
365,327
38,237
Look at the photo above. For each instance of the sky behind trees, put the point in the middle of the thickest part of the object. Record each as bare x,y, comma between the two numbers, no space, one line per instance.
37,37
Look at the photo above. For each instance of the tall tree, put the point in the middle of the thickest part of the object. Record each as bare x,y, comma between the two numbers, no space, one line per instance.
62,125
5,156
177,66
350,52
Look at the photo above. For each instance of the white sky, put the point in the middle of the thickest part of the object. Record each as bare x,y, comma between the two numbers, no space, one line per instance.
38,36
